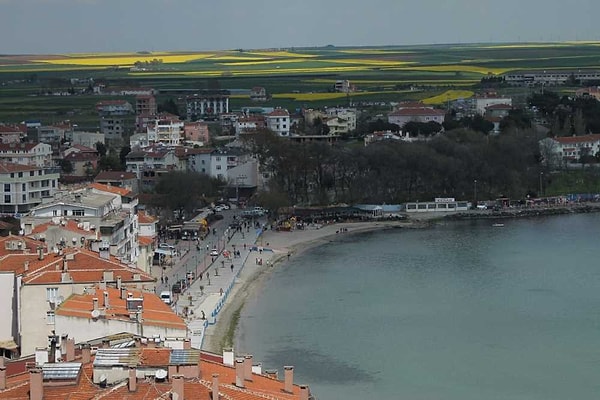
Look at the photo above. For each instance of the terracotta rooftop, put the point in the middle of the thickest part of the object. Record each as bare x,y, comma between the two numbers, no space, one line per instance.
418,111
154,311
83,266
499,107
10,245
578,139
10,147
259,388
111,189
144,218
7,167
279,112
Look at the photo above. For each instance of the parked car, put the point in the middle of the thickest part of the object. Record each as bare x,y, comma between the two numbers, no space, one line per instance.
214,253
176,288
166,246
166,296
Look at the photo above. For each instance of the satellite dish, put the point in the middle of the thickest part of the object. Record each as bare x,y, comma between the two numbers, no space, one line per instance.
160,374
95,314
103,380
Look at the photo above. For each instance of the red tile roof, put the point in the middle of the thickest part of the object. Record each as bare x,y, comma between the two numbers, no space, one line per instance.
154,311
499,107
9,245
10,147
7,167
144,218
578,139
279,112
85,266
111,189
422,111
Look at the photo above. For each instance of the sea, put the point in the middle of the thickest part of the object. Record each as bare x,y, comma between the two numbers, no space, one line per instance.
462,310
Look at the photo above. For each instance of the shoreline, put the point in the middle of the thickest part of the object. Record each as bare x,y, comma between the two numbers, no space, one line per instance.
283,243
298,241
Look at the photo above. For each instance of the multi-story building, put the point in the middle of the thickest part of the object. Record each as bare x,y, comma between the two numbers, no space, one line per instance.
24,187
166,131
83,160
122,179
208,104
111,211
33,154
196,132
114,107
249,124
557,151
346,119
87,139
420,114
151,158
12,133
145,111
35,281
258,93
113,127
482,101
279,121
550,77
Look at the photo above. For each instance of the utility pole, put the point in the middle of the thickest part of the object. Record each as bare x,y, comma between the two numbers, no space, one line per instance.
475,193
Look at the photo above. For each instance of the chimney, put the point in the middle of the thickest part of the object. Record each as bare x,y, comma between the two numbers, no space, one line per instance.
105,344
52,354
65,264
26,266
187,344
106,301
86,353
228,357
177,388
239,372
104,253
288,378
2,374
95,303
248,367
36,384
132,378
215,386
304,392
70,354
123,293
40,250
119,282
63,345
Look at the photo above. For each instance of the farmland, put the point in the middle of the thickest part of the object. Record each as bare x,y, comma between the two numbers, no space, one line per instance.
294,77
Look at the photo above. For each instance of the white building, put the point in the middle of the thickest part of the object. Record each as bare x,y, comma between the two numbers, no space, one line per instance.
482,102
560,150
168,132
346,119
34,154
35,282
24,186
279,121
420,114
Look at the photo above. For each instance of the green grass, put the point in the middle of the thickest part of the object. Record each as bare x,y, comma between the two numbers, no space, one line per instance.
228,338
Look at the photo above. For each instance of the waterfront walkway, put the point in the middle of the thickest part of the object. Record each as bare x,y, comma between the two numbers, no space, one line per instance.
199,303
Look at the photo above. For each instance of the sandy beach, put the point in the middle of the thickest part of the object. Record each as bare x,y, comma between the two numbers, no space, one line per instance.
284,243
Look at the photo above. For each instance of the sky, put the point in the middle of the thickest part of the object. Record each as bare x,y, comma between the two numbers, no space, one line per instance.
67,26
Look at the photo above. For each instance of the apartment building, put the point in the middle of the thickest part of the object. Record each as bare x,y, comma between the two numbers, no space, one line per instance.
25,186
34,154
279,121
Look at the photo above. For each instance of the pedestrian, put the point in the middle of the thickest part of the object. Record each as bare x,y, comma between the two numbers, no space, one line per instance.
288,255
166,279
162,279
203,315
208,275
244,246
221,292
231,267
207,247
200,275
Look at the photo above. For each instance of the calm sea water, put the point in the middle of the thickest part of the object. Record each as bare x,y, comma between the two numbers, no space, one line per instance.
460,311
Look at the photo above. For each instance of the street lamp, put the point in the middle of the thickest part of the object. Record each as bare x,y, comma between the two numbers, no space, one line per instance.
475,193
541,183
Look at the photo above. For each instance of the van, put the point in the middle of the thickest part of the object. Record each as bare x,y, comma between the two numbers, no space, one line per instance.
166,297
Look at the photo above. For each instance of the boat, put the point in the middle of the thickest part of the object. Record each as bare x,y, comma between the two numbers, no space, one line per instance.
497,225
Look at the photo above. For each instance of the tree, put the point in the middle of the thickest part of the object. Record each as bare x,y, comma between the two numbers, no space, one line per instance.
66,166
123,156
169,106
101,149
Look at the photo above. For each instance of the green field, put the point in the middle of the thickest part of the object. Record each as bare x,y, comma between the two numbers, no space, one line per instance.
379,73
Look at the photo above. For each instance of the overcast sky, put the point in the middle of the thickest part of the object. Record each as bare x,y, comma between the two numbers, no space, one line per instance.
55,26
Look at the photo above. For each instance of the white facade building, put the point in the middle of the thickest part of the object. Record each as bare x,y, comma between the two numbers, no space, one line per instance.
35,154
23,187
279,122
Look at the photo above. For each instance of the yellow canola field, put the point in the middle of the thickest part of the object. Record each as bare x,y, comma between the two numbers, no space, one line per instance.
458,68
125,60
280,54
448,95
328,95
374,51
266,61
361,61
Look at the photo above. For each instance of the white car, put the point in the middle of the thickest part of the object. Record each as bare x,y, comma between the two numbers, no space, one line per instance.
166,246
219,208
214,253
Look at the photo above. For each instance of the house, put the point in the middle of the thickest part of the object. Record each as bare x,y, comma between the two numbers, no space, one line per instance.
420,114
258,93
593,91
166,131
34,281
146,110
87,139
83,160
101,311
196,132
33,154
152,158
25,186
249,124
482,101
109,210
499,110
122,179
207,104
279,121
125,367
346,119
559,150
114,107
12,133
344,86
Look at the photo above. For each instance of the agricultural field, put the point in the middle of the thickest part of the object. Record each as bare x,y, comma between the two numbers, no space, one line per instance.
294,77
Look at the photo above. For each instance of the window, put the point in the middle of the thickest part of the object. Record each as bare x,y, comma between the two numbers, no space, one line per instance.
20,174
23,187
78,213
24,197
7,198
51,294
55,213
218,167
12,175
50,317
31,173
7,187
